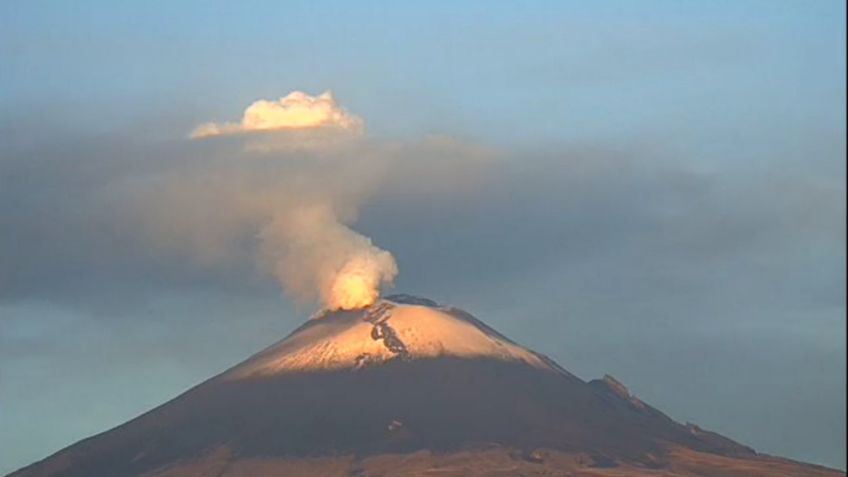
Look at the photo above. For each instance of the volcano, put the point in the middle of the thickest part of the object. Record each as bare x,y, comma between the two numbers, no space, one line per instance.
407,387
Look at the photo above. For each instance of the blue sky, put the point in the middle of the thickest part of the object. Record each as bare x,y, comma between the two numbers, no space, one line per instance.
694,237
554,71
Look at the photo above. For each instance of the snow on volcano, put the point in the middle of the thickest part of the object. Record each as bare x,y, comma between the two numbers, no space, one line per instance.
398,327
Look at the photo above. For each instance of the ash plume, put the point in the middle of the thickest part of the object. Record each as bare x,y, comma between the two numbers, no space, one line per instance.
313,253
299,191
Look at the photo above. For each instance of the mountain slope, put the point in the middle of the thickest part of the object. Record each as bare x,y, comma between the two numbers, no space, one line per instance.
406,387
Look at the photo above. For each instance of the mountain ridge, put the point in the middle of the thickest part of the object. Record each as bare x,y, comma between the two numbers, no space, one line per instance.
441,392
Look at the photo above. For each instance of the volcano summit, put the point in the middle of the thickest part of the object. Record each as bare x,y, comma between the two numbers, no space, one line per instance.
407,387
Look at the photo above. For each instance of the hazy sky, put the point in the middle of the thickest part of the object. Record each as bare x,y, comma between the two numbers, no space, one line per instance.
653,190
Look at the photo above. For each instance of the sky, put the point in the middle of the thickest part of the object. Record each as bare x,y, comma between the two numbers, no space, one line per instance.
652,190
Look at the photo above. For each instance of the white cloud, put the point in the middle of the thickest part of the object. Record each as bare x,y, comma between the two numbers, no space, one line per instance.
296,111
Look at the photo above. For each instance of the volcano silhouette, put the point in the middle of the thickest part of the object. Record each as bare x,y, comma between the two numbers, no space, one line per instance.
406,388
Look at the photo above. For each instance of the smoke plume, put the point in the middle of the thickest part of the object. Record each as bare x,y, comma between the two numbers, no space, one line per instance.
301,193
313,253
